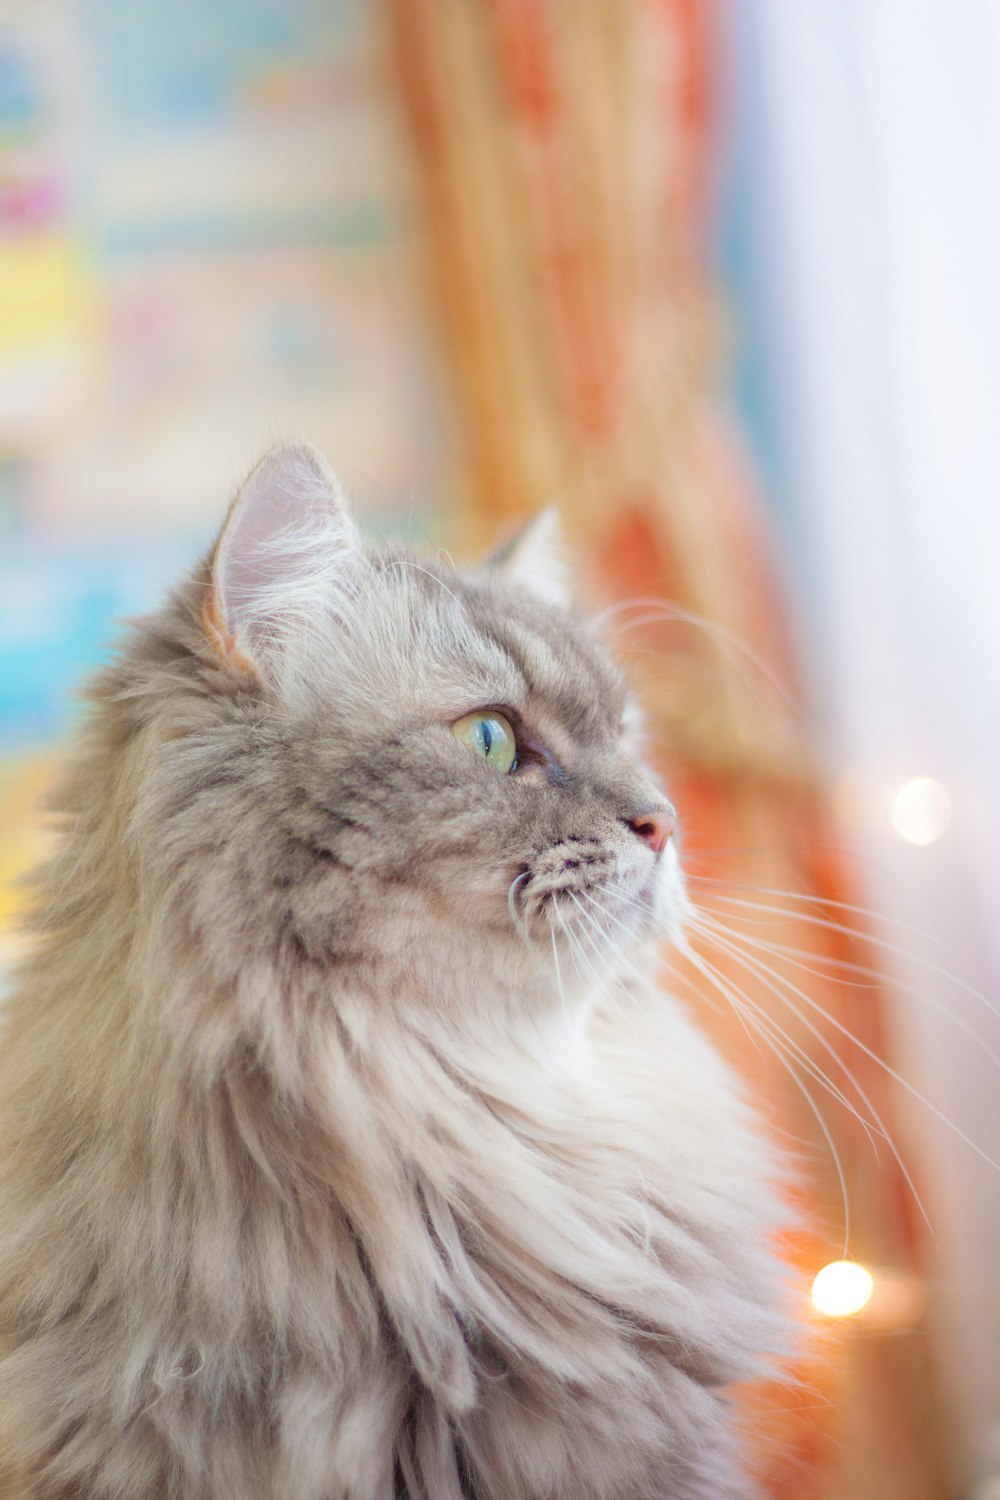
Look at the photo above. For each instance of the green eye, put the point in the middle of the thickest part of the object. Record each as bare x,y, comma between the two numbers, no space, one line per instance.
489,734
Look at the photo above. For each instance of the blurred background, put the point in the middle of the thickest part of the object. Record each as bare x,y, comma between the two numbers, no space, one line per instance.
719,277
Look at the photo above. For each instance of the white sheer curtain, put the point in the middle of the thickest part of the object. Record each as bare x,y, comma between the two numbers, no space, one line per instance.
867,140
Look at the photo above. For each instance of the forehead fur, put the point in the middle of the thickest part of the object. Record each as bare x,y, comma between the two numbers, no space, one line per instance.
400,631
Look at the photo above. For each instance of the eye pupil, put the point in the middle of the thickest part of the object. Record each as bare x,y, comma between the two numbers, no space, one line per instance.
487,737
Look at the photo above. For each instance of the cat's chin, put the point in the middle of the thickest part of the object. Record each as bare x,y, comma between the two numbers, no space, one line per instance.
654,912
604,925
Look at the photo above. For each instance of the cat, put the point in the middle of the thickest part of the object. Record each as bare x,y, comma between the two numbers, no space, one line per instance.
352,1150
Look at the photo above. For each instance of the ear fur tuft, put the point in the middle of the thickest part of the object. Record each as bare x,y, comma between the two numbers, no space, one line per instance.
535,559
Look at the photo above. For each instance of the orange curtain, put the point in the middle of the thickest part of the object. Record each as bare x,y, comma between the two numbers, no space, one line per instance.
563,155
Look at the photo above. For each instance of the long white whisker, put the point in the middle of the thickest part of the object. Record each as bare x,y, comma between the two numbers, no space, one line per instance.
624,962
585,965
795,958
720,892
666,612
845,1031
622,967
907,955
772,981
512,907
708,972
555,956
872,1127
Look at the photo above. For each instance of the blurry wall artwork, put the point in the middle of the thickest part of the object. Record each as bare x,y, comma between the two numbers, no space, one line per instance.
201,250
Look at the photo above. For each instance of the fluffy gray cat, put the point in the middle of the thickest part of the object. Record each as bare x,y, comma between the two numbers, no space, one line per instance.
351,1149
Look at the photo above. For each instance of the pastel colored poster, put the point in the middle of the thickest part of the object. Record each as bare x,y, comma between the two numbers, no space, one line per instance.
47,292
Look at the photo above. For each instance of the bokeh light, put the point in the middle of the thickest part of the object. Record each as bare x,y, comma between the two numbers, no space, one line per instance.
921,810
842,1289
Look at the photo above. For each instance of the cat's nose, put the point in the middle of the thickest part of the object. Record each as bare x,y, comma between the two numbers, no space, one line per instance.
654,827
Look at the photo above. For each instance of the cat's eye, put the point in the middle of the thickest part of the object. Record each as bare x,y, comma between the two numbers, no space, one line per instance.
490,736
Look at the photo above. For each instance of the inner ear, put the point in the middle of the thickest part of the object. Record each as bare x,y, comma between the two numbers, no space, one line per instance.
287,533
535,559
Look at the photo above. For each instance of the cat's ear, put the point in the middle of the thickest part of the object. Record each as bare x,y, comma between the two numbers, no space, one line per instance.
535,559
287,534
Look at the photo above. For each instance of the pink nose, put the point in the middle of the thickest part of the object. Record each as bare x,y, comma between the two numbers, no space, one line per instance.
654,828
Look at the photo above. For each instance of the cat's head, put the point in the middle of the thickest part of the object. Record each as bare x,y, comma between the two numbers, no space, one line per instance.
394,757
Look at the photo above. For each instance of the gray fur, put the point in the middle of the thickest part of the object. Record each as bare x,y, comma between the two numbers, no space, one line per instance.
351,1150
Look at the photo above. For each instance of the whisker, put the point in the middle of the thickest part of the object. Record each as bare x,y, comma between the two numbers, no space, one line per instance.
851,974
609,985
555,956
665,611
872,1128
511,906
708,972
625,963
721,888
694,984
879,1127
841,929
584,964
845,1031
